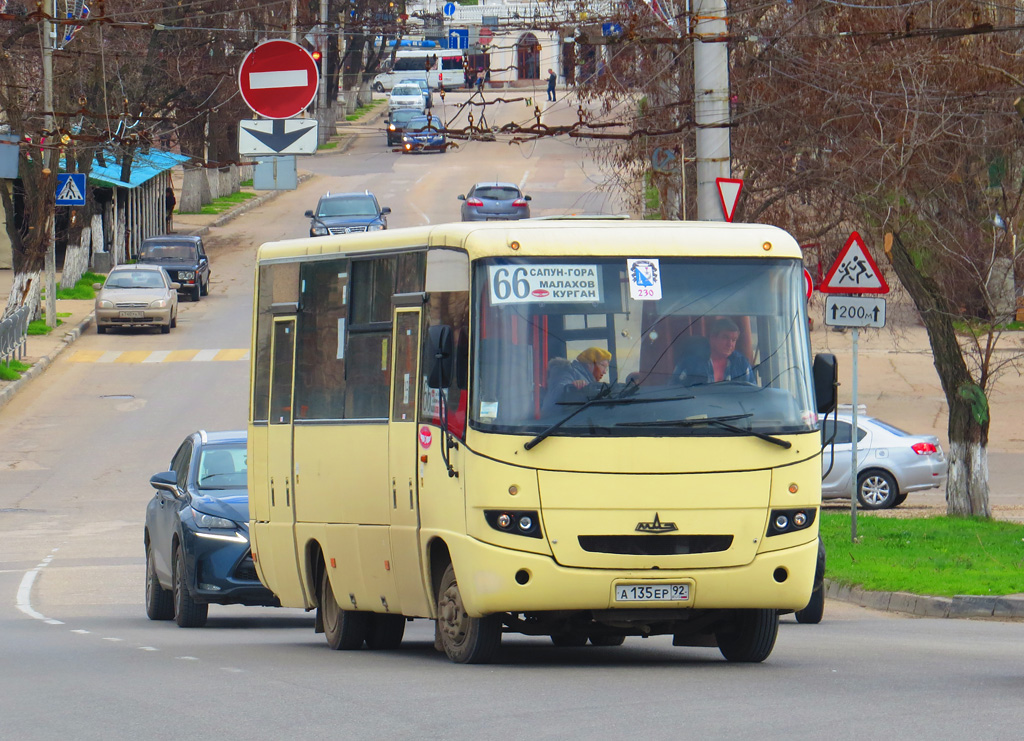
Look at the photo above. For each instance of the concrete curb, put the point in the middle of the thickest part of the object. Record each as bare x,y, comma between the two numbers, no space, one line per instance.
8,392
1004,607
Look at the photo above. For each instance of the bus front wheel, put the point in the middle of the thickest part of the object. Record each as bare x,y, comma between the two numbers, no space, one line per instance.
751,638
465,639
345,630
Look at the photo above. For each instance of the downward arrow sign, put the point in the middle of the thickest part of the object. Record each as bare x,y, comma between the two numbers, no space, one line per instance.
280,136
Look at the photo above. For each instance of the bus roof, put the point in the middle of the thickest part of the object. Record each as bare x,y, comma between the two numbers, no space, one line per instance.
551,238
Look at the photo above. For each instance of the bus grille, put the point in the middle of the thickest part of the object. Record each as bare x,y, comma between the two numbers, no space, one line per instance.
655,545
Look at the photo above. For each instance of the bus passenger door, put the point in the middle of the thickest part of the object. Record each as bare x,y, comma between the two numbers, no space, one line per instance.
402,458
284,569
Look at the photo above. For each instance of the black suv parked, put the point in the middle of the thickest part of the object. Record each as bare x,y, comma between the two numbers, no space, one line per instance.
344,213
183,258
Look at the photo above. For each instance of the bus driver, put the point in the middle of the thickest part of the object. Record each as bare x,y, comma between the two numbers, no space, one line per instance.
590,366
725,362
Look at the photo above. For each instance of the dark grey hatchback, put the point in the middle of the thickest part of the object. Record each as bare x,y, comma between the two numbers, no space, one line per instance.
197,532
494,202
184,259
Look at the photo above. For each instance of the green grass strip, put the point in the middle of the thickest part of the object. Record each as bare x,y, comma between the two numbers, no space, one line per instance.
224,203
941,556
82,290
12,370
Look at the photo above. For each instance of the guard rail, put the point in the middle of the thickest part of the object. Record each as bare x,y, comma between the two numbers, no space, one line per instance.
13,333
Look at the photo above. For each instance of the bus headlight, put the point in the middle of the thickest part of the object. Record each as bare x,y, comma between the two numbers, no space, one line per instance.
514,522
790,520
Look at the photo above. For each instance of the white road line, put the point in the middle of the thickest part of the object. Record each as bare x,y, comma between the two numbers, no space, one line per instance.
23,601
109,356
81,631
205,355
232,670
425,217
148,648
157,356
522,183
114,640
187,658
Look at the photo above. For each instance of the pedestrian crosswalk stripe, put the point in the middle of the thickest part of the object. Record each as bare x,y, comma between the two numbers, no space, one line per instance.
159,356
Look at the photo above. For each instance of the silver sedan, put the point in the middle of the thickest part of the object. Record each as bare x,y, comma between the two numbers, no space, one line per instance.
891,463
137,296
494,202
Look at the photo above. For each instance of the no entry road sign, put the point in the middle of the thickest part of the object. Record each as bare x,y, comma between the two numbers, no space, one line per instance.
278,79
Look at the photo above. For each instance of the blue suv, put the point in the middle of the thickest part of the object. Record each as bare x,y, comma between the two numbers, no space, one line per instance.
344,213
197,532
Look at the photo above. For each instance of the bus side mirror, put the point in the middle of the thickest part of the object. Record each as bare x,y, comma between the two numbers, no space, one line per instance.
826,382
440,346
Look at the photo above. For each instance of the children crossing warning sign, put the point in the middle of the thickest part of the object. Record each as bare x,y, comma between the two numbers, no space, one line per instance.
71,189
854,271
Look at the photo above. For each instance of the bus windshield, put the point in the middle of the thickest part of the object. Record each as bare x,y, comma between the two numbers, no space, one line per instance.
606,346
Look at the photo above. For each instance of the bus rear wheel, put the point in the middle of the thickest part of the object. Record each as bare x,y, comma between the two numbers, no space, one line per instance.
751,637
345,630
465,639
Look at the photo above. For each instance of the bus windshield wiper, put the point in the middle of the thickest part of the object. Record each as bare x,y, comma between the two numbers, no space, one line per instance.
722,422
600,400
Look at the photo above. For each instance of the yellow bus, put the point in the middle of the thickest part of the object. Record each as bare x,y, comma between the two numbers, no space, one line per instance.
586,429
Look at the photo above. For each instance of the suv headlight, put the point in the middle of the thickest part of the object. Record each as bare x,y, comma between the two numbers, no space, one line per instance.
210,522
189,274
318,230
374,227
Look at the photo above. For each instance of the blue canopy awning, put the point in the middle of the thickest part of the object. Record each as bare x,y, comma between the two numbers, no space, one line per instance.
145,167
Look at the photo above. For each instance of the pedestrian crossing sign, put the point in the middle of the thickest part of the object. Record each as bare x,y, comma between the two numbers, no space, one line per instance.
854,271
71,189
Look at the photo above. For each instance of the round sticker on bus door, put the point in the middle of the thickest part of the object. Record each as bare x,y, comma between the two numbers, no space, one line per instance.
425,437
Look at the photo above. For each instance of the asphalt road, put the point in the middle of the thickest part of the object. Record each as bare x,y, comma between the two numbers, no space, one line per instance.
79,659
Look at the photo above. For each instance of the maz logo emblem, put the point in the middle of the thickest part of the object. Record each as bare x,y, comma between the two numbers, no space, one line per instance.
657,526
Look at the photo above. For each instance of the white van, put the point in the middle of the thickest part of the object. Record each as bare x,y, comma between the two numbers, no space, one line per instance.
441,67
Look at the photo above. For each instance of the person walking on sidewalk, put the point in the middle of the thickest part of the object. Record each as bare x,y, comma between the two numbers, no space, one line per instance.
552,79
169,202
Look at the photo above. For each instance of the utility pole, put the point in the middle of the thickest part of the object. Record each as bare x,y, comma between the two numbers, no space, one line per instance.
711,105
323,44
50,170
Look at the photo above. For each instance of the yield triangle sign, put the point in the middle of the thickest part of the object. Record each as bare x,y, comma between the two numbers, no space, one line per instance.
854,271
729,193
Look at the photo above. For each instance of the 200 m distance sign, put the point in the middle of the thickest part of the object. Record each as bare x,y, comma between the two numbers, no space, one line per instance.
278,79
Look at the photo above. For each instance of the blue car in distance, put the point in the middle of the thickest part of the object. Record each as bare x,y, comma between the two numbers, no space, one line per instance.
424,133
197,532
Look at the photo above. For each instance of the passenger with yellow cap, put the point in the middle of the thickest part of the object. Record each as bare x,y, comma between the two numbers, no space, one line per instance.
590,366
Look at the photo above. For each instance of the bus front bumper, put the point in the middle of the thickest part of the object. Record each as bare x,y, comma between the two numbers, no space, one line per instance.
494,580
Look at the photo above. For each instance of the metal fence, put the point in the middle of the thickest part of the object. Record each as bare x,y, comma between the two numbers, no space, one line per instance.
13,331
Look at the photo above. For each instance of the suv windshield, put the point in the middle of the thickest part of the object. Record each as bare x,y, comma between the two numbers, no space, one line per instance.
726,342
348,206
179,251
222,466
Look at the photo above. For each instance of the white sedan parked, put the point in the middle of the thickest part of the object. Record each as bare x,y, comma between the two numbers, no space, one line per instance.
891,463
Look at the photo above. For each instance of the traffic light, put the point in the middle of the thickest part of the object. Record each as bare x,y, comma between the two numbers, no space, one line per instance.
318,58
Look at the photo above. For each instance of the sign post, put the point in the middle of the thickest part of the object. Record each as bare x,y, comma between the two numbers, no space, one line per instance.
854,272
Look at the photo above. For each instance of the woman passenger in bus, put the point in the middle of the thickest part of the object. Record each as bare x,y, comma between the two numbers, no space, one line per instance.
718,359
590,366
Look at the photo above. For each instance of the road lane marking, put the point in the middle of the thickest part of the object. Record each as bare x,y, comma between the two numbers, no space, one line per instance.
205,355
157,356
148,648
132,356
23,601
